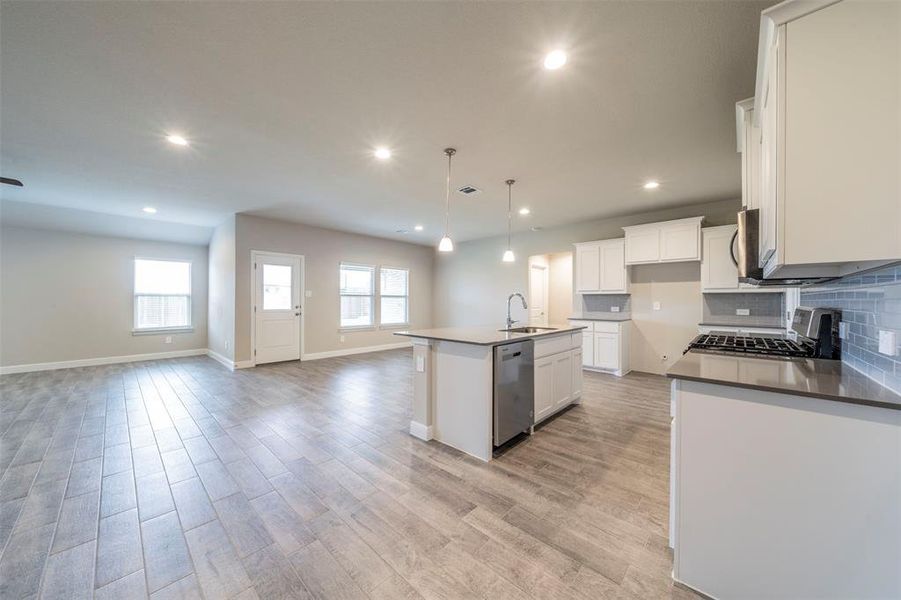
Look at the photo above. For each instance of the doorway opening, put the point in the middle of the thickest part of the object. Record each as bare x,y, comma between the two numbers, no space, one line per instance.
276,331
550,288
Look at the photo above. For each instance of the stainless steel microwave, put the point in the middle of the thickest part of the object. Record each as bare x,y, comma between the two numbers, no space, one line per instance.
745,250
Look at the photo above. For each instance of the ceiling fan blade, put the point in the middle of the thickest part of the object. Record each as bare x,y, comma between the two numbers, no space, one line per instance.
11,181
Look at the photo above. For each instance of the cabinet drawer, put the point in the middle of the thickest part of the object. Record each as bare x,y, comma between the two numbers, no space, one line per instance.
545,346
588,325
606,326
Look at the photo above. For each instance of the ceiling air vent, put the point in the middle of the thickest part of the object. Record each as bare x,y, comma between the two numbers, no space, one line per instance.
468,190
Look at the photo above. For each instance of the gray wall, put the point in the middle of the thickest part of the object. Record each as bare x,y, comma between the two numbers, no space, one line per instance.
323,250
68,296
472,284
221,337
869,303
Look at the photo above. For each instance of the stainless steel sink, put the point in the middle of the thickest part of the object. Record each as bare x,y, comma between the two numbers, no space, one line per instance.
528,329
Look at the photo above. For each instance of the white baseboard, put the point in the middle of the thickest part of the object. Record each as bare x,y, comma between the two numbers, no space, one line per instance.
244,364
223,360
350,351
421,431
105,360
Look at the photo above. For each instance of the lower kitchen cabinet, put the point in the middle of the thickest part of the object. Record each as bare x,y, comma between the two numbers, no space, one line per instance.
605,346
558,377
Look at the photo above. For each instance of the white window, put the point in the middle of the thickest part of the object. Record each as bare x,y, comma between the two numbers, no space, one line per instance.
357,290
162,294
394,296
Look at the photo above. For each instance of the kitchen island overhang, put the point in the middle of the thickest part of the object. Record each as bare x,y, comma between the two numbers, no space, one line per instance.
453,380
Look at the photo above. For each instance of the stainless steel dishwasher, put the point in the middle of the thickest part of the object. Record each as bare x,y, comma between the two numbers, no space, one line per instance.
514,389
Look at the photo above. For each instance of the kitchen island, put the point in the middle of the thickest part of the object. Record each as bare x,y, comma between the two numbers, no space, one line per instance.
453,390
785,479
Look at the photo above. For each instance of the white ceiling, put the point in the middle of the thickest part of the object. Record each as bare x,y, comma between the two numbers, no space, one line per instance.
284,102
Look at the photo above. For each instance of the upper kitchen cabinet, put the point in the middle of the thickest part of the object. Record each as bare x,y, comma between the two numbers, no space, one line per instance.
601,268
669,241
748,141
718,272
827,116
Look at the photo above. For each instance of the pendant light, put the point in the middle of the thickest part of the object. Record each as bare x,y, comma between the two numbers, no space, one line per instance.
446,244
508,254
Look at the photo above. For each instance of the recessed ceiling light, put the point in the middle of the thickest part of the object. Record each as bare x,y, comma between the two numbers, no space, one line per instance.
177,140
651,185
554,60
402,231
418,228
524,211
149,210
382,153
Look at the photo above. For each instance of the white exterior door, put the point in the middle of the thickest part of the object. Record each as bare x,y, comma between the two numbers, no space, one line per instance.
277,308
538,294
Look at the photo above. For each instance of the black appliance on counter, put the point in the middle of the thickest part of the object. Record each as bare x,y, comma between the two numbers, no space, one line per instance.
816,335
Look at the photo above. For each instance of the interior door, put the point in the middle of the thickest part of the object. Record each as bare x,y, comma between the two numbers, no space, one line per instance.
538,295
277,308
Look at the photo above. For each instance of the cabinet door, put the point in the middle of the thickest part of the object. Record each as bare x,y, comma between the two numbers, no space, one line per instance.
769,126
606,351
544,387
751,163
643,245
717,270
563,378
587,349
588,271
577,373
613,267
680,242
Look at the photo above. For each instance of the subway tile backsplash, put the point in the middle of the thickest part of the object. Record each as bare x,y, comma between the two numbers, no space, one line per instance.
869,303
765,309
601,305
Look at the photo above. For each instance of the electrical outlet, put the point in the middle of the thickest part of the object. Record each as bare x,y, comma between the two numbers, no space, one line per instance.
168,339
341,338
656,306
887,342
614,309
742,312
420,364
308,293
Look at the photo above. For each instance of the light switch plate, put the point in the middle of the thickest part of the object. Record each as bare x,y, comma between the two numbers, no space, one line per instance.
656,306
614,309
742,312
887,342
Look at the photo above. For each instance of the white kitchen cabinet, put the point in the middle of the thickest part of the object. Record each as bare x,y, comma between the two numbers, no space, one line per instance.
563,379
669,241
588,267
827,106
718,272
558,373
606,351
601,267
748,143
544,387
576,373
605,346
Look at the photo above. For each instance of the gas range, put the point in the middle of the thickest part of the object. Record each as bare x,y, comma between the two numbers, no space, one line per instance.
814,335
757,345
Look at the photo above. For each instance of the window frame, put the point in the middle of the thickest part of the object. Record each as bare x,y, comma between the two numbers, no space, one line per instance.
406,322
372,296
135,330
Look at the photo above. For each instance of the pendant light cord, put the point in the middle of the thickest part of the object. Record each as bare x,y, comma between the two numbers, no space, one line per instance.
510,183
450,152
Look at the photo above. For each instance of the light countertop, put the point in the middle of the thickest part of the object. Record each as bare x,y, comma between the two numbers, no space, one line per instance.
484,336
818,378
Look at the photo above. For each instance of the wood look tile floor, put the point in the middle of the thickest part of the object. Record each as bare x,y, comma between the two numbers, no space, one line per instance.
178,479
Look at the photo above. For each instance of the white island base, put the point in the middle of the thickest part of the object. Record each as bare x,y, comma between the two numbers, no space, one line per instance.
453,389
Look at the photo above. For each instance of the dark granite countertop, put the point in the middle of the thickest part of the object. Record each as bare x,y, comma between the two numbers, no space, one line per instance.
484,336
612,317
817,378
